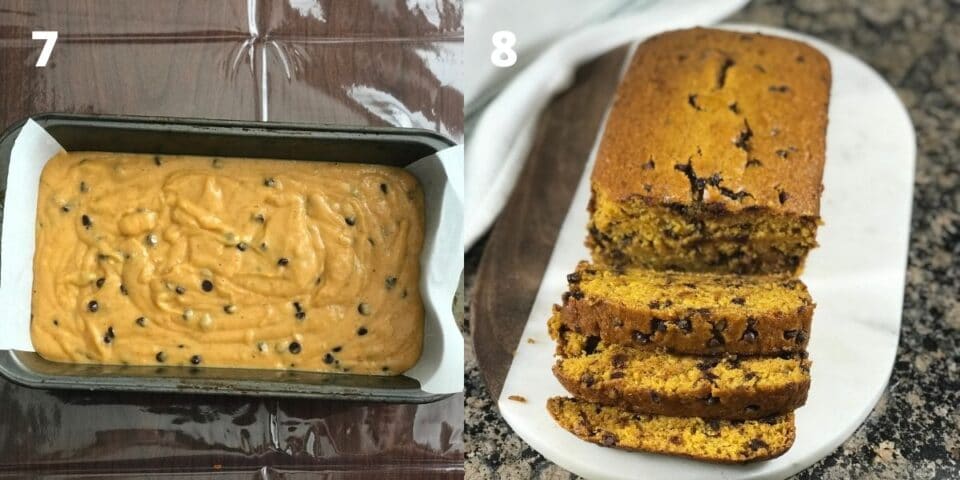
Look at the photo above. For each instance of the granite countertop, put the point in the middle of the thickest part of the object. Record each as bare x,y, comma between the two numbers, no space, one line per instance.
914,431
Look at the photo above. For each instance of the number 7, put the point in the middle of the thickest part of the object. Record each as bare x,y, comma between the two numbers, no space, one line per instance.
49,38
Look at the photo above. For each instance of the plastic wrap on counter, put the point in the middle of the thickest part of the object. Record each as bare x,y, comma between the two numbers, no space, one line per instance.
362,62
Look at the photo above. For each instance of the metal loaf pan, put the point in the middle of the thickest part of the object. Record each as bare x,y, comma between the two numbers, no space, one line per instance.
386,146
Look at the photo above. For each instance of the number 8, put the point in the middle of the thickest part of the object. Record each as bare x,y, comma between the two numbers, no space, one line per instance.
503,54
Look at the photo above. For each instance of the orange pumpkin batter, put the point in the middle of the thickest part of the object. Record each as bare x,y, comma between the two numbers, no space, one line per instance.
179,260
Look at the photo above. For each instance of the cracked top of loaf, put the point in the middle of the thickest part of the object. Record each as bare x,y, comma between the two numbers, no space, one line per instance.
718,118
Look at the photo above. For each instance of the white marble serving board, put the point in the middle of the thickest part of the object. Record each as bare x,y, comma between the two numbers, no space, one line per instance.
856,278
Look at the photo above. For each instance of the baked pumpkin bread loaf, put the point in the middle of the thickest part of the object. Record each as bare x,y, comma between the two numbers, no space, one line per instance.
693,313
712,156
643,381
727,441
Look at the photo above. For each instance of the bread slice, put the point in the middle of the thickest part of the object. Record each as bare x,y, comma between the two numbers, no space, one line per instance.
726,441
712,156
691,313
644,381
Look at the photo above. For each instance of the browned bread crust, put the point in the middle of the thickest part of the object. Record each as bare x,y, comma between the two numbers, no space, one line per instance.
719,99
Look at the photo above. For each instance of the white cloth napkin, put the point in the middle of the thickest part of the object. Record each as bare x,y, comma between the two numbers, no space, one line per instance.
497,146
536,24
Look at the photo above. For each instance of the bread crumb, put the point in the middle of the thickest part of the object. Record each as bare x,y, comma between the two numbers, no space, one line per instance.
517,398
531,341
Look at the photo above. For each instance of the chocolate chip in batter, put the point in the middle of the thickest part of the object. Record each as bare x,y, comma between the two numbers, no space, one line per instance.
283,262
86,222
196,359
351,220
738,300
206,286
657,325
708,364
757,444
714,342
180,290
83,187
123,290
383,188
362,331
100,282
609,439
65,209
783,196
242,246
654,305
750,335
295,348
364,309
385,369
619,360
733,361
56,323
390,282
269,182
337,349
217,163
93,306
403,294
157,161
640,337
328,359
161,357
230,309
142,321
263,247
